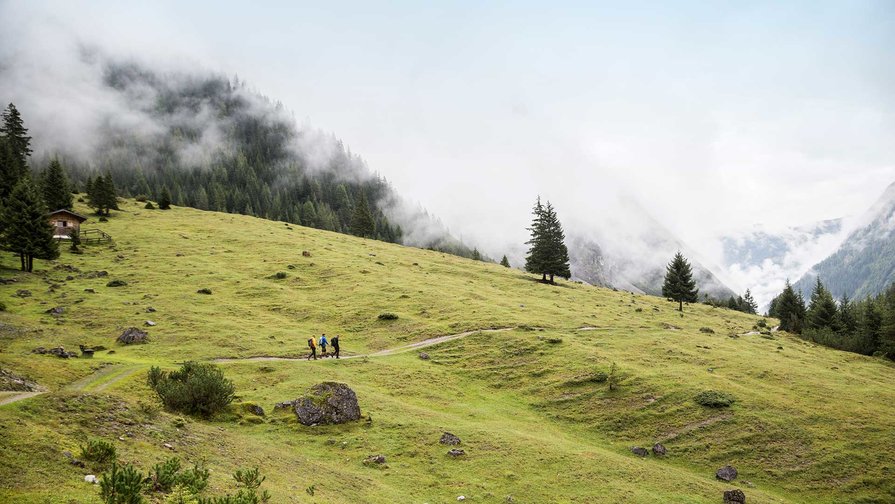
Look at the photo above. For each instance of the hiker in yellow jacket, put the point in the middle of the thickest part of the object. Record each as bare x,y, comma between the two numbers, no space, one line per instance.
313,346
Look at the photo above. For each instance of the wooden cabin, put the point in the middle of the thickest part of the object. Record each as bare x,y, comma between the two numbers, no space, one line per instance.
65,222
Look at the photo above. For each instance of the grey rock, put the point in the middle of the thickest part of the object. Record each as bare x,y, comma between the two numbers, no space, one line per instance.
10,381
150,323
734,497
639,451
55,311
726,473
132,335
424,356
374,460
150,309
659,449
23,293
456,452
449,439
327,403
90,291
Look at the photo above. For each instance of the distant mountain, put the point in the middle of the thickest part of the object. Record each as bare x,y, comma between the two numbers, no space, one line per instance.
864,264
630,253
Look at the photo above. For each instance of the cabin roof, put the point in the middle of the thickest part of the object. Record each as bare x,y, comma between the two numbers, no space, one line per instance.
76,215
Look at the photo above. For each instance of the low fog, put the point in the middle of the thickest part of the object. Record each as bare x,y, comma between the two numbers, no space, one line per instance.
650,130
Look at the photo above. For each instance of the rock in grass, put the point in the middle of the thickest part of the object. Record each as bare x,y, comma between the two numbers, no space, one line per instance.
374,460
726,473
149,323
204,291
327,403
456,452
424,356
639,451
449,439
132,335
90,478
734,497
707,330
659,449
116,283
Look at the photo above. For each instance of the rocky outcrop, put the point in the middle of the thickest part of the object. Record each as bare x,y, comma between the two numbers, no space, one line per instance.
10,381
726,473
734,497
449,439
132,335
327,403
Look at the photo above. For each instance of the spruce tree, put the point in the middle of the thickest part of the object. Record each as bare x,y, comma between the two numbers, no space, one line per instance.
505,262
11,170
164,199
558,254
822,310
476,255
679,283
27,230
362,223
13,129
749,304
789,307
536,260
56,188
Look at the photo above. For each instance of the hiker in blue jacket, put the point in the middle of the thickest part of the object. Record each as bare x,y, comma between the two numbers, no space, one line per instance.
323,342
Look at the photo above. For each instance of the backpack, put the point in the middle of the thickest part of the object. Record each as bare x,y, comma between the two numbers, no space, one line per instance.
311,343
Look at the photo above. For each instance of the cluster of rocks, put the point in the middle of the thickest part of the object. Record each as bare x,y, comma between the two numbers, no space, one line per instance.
326,403
57,351
10,381
734,497
658,450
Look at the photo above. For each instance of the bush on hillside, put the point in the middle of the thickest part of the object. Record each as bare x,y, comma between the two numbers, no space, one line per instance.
122,485
98,451
149,206
141,198
195,389
204,291
714,399
167,476
388,316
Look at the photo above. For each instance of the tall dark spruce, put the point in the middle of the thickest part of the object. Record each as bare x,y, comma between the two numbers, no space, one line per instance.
26,230
547,253
679,283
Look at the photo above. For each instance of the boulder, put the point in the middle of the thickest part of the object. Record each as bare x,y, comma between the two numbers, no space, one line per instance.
150,309
327,403
456,452
640,452
734,497
61,353
149,323
659,449
90,291
116,283
305,253
726,473
90,478
424,356
23,293
374,460
56,311
132,335
707,330
449,439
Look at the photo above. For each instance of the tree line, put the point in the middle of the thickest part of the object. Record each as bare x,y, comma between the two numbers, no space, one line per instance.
865,326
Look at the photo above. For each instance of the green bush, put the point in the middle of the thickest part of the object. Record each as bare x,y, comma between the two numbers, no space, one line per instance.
388,316
99,451
248,482
204,291
141,198
195,389
122,485
164,476
2,306
280,275
714,399
149,206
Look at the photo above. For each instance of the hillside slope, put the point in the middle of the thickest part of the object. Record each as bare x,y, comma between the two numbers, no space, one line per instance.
864,264
810,424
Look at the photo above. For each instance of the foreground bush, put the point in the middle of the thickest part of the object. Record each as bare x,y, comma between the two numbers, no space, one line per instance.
195,389
99,451
126,485
122,485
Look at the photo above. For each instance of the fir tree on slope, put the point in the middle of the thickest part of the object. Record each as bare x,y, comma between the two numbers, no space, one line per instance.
789,308
164,199
101,194
56,188
362,223
547,254
679,284
749,304
15,148
505,262
27,232
822,311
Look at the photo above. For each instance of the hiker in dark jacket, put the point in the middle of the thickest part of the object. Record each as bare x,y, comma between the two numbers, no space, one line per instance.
313,346
335,343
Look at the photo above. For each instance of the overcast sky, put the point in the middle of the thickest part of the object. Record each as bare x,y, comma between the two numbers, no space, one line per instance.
715,116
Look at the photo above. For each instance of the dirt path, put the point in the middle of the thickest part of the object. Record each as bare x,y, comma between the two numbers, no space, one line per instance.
381,353
18,396
97,381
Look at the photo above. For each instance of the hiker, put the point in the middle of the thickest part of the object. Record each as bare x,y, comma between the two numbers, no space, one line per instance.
335,343
313,347
323,343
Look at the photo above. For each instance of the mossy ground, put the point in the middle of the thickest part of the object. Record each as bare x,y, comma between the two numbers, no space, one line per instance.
809,424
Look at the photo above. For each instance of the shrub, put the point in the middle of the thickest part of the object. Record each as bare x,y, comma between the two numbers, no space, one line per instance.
280,275
149,206
141,198
714,399
122,485
99,451
388,316
116,283
247,481
103,219
2,306
613,377
164,476
195,389
195,479
762,323
204,291
599,377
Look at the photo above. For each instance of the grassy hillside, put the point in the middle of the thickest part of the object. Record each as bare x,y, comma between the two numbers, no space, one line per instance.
809,424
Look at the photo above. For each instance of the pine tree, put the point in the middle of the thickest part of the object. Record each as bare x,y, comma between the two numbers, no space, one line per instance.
536,260
789,307
847,320
308,214
164,199
13,129
749,304
822,310
27,231
476,255
679,284
558,254
362,223
56,188
505,262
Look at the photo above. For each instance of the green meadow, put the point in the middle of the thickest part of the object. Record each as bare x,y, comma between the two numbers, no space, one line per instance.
531,403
